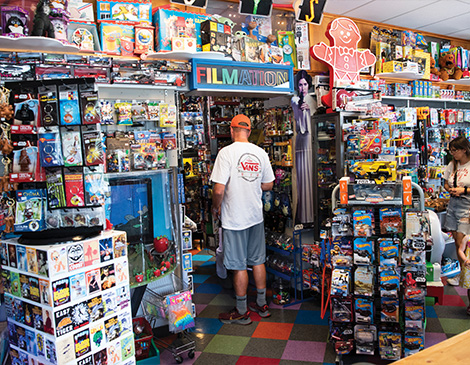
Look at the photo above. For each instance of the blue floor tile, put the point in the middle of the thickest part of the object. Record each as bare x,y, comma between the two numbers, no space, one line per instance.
430,312
199,279
208,263
209,289
207,325
311,317
202,257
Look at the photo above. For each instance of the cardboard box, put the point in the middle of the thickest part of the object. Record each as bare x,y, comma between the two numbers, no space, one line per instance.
216,37
392,66
111,35
246,49
171,23
423,59
124,11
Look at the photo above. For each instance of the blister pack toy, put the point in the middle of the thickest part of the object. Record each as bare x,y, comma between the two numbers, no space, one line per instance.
417,222
413,257
414,315
364,310
413,344
390,309
365,336
363,251
388,251
342,335
363,223
379,171
390,345
389,281
341,252
353,147
364,281
391,221
69,105
340,279
340,308
371,142
341,223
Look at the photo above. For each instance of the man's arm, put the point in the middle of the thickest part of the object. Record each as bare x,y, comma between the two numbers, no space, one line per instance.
267,186
217,196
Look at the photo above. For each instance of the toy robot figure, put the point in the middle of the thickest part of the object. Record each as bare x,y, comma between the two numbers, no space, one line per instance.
42,25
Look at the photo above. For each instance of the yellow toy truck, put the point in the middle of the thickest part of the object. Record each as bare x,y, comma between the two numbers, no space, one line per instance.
379,171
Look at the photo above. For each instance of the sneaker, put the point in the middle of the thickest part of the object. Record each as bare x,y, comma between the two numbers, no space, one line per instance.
454,281
262,311
233,317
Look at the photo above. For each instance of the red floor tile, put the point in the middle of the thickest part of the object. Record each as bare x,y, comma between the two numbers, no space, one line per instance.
273,330
453,300
249,360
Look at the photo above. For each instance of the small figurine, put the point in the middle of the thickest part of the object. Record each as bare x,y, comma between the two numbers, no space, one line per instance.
42,25
25,161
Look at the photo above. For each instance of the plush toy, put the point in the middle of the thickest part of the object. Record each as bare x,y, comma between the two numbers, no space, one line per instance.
448,67
42,25
434,69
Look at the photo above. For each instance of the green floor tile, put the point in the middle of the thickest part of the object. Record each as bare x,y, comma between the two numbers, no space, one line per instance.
452,325
430,300
230,345
224,299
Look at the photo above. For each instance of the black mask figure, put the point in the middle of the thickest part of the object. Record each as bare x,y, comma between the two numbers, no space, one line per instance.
42,25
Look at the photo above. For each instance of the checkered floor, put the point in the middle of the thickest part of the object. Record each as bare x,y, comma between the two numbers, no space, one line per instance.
294,335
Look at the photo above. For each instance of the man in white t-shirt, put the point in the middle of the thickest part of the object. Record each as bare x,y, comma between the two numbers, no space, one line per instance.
241,172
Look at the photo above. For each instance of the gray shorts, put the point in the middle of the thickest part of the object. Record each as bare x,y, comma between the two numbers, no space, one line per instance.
458,215
244,248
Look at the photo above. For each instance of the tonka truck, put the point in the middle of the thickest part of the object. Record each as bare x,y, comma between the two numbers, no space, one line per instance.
379,171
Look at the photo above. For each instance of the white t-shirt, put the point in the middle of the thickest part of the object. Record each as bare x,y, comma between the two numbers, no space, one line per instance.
463,176
242,167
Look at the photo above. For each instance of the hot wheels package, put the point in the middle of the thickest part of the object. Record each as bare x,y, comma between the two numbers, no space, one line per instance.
413,344
341,252
340,308
389,282
390,310
364,281
343,337
340,279
388,248
391,220
341,224
363,251
363,223
390,345
365,336
364,310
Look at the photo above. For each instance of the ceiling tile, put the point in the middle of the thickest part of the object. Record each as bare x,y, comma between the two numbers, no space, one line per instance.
464,34
341,7
381,10
446,27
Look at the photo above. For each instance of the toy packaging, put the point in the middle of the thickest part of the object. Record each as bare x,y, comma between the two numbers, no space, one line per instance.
124,11
390,345
144,38
69,105
413,344
341,309
390,310
341,224
29,211
389,282
341,252
286,41
363,251
388,250
364,281
363,222
216,37
364,310
340,280
302,45
60,292
26,113
391,221
74,189
72,147
84,35
48,105
14,21
365,336
112,35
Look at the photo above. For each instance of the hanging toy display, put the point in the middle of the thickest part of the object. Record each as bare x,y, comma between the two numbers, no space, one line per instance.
42,25
14,21
6,110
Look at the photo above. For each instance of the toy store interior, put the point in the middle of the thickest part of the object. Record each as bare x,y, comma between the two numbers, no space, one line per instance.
112,113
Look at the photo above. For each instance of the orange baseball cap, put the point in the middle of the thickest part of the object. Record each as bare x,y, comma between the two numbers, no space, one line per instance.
240,118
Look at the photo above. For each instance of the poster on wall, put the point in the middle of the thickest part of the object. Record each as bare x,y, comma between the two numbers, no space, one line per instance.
303,106
311,11
256,7
194,3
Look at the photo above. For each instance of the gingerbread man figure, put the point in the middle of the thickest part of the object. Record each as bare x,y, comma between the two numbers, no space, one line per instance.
343,59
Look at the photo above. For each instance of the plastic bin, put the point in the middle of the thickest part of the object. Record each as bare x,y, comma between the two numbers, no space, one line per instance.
144,340
154,356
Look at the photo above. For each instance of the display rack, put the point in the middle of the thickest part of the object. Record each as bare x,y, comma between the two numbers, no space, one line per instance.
68,303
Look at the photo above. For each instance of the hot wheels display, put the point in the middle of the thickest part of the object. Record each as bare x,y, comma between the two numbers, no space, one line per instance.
364,281
341,224
340,282
363,222
363,251
364,310
391,220
340,308
390,345
365,336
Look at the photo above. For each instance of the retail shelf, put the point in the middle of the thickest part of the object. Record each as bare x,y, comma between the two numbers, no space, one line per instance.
385,202
137,86
40,44
280,250
458,82
112,175
424,99
278,274
186,56
401,75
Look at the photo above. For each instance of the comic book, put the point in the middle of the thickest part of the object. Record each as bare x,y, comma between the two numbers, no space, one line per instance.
120,245
61,291
125,323
51,353
32,260
6,280
37,318
15,284
122,297
31,343
40,344
92,252
122,272
28,314
82,343
21,258
43,268
58,259
77,286
97,336
109,303
108,277
95,308
4,254
34,289
76,257
106,249
80,315
24,284
114,353
47,318
45,292
127,347
93,281
12,255
112,328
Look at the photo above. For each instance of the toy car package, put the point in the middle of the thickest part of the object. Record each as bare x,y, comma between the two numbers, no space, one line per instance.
390,310
416,242
364,281
341,224
390,345
388,251
340,308
412,257
417,222
414,315
363,222
364,310
389,281
340,279
414,276
371,141
341,252
342,335
363,251
391,221
413,344
415,294
365,336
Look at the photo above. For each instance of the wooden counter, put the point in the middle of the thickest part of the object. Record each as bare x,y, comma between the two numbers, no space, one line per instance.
451,351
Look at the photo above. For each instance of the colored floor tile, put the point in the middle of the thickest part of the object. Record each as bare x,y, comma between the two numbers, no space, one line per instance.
209,288
200,257
431,312
453,300
210,358
432,338
460,291
200,308
199,279
291,307
452,312
208,263
265,348
224,299
230,345
304,351
273,330
207,325
249,360
311,317
304,332
453,326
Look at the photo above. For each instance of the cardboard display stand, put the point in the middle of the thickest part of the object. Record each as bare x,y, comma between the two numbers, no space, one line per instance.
69,303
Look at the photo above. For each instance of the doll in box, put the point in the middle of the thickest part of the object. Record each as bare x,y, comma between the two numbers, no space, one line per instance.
60,28
14,21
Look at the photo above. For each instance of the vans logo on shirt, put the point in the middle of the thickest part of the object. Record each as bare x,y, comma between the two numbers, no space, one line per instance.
249,167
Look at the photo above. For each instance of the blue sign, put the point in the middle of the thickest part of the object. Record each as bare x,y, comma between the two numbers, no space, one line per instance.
241,76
